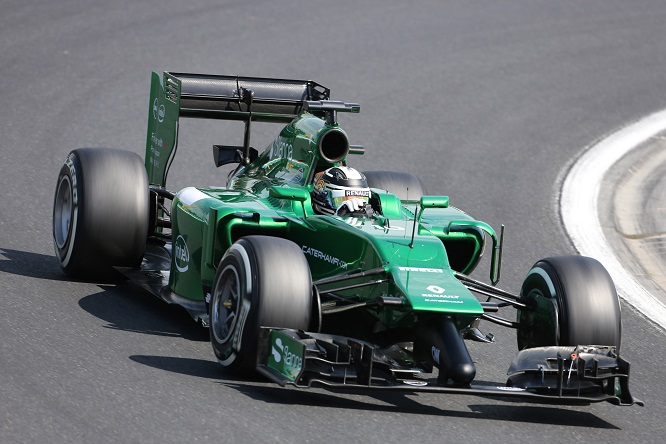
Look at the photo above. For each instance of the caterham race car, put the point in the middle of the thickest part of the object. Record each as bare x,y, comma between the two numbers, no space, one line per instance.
375,298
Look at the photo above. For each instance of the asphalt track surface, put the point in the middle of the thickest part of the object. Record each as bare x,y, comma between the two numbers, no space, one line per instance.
488,102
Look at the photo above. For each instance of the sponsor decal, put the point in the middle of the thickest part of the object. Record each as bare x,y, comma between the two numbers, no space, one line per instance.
157,141
158,111
72,171
286,355
415,383
442,299
437,295
440,296
422,270
357,193
435,289
181,254
75,211
236,341
281,149
156,145
511,389
324,257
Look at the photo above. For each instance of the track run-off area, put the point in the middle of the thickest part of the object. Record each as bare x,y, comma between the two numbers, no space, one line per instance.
581,215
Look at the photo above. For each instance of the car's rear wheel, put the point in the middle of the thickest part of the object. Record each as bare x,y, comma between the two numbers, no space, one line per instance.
261,281
405,186
100,211
572,301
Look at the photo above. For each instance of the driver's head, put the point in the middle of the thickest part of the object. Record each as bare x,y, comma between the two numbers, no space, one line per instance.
340,188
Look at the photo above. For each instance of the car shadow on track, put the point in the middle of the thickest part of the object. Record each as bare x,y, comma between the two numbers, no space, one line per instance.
125,307
200,368
122,305
409,403
196,367
34,265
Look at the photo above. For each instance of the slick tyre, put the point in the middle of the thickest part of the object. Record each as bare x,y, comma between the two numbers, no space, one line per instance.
100,211
261,281
405,186
572,301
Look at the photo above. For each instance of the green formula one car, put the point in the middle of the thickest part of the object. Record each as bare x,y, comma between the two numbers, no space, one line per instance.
314,274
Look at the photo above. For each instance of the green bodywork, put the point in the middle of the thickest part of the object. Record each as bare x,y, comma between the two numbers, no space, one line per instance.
419,244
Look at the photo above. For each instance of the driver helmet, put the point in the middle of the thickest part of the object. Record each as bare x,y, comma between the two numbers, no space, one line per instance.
334,186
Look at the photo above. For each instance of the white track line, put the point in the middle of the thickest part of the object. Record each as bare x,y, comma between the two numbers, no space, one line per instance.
578,206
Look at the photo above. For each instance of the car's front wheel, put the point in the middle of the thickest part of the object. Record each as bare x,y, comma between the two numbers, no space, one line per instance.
571,300
261,281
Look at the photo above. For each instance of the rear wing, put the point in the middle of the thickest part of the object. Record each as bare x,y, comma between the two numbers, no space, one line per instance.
247,99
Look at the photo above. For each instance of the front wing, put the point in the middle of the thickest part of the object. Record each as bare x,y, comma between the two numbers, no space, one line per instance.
556,375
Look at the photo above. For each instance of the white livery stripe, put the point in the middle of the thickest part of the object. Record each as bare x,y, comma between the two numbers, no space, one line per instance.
190,195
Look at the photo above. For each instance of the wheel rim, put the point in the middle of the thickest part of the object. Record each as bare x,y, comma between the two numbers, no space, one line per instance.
225,304
62,212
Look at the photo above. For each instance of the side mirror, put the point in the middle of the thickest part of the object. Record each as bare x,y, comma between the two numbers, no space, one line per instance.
432,202
435,202
224,154
297,194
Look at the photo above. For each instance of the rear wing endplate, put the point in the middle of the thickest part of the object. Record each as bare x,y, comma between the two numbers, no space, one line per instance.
247,99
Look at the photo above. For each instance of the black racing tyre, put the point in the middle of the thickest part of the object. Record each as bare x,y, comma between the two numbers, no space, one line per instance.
405,186
573,301
260,281
100,211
